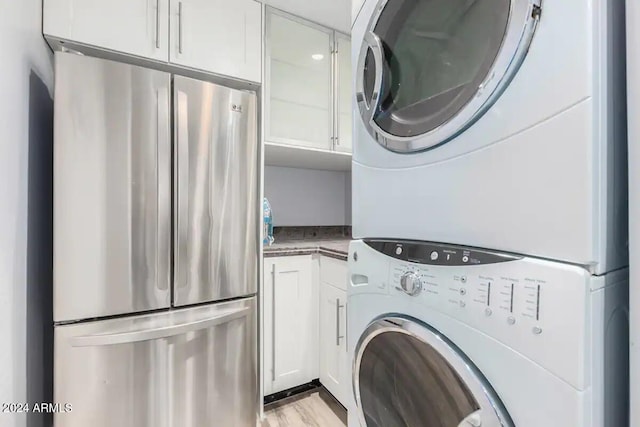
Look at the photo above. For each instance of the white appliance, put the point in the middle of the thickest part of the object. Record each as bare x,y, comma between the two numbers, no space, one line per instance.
154,329
508,341
493,123
633,88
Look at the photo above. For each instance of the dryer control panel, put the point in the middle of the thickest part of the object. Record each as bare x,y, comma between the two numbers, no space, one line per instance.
528,304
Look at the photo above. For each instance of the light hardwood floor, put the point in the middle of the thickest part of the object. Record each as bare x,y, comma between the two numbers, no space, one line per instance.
316,408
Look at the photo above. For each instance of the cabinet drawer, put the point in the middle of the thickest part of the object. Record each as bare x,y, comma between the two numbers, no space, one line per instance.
334,272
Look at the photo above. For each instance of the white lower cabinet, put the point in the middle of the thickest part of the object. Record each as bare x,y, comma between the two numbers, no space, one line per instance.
290,317
335,363
334,360
305,324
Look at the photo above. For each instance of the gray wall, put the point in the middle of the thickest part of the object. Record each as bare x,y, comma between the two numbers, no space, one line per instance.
26,153
308,197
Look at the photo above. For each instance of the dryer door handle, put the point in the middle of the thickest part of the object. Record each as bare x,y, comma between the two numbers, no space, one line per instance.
368,106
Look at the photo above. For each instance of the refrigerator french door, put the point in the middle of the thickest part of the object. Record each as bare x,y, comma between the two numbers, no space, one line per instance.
156,248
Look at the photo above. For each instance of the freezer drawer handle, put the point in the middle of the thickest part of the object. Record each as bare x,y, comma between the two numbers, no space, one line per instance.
154,334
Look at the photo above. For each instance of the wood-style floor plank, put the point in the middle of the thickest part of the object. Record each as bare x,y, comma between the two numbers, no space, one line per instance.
312,409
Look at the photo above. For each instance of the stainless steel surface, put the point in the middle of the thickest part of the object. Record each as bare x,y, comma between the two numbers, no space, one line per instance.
163,244
152,334
273,321
180,27
157,24
524,16
203,375
217,192
338,307
410,283
456,389
111,179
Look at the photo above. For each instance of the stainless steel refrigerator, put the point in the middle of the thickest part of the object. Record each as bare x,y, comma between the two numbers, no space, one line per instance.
156,240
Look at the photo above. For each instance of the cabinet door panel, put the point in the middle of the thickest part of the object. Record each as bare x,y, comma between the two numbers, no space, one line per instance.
333,339
334,272
136,27
219,36
299,105
267,326
291,323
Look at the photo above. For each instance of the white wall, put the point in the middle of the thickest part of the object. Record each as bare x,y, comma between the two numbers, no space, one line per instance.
308,197
26,149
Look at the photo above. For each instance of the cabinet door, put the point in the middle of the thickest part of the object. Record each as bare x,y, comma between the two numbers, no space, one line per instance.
333,344
137,27
344,91
299,105
291,323
219,36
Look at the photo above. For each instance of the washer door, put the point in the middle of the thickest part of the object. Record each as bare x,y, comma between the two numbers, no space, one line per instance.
428,69
406,374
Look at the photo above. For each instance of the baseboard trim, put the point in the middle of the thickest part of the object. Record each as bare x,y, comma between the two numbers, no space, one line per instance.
292,391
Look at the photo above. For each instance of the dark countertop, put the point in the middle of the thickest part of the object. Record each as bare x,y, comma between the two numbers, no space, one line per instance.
336,248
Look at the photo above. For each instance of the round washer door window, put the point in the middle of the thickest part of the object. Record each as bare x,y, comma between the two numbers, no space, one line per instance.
429,68
408,375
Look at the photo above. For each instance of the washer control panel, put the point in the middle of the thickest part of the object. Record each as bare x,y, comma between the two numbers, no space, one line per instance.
438,254
530,305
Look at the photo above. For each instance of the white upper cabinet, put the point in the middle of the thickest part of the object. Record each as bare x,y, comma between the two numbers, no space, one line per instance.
136,27
344,111
217,36
221,36
307,94
298,72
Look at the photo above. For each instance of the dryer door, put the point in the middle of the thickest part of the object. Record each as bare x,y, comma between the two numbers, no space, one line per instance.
428,69
407,374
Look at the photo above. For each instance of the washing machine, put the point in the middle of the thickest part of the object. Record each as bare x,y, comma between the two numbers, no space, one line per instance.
500,341
493,123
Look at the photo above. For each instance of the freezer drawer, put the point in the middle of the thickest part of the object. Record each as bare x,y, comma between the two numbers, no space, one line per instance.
112,184
192,367
217,197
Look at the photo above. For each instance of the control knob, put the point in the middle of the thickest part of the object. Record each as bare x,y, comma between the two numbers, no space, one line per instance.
410,283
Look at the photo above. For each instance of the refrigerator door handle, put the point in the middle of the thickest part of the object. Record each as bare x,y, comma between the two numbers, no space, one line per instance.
182,188
163,180
158,333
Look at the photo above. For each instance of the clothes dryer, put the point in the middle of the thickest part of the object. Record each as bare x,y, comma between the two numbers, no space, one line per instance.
493,123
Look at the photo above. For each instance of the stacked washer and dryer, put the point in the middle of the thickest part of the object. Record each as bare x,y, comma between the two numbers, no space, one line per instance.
488,285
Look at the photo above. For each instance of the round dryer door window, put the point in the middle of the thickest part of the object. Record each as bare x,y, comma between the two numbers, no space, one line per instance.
428,69
408,375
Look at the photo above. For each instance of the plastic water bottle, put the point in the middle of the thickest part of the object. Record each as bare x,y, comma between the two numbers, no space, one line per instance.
267,223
